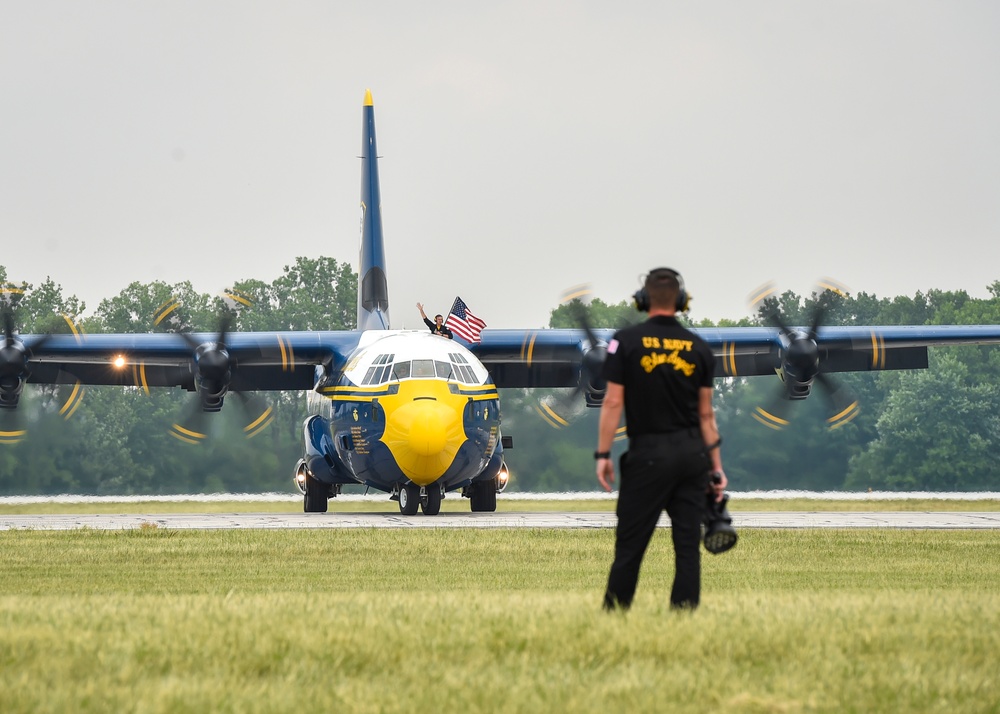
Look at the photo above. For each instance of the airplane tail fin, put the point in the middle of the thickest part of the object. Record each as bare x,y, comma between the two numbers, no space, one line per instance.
373,291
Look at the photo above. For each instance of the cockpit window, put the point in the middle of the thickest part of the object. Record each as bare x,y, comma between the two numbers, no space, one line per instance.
463,372
401,370
422,368
380,370
383,370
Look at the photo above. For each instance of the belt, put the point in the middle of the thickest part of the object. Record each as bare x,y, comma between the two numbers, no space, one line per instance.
666,437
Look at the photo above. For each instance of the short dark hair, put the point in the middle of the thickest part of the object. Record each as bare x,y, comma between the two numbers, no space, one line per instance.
437,316
662,286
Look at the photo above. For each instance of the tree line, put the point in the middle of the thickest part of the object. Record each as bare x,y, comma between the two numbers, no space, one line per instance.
936,429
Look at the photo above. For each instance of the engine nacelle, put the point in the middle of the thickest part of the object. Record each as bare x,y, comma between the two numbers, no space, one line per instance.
13,371
213,375
799,364
592,381
10,391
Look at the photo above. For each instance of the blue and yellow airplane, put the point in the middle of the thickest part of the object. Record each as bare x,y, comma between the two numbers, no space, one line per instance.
410,413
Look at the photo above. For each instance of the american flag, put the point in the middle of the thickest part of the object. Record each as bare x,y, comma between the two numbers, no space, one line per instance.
463,323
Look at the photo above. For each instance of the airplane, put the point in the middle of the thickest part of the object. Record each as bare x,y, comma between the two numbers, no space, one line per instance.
409,413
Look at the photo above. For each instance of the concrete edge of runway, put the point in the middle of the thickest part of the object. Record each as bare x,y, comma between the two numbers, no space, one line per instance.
294,497
585,520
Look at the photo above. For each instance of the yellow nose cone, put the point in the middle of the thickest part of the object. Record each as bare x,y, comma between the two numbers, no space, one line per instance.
424,435
429,423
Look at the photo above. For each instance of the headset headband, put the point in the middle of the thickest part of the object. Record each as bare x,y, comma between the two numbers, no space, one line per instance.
641,296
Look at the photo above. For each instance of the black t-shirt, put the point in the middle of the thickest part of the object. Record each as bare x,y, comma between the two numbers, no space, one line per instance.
662,366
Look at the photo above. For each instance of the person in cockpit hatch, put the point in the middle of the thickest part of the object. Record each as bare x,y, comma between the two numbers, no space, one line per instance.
437,327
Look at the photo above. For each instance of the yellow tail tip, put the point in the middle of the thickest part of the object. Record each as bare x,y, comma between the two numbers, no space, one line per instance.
368,98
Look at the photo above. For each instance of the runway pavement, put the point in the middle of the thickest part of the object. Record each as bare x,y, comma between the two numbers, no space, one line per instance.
216,521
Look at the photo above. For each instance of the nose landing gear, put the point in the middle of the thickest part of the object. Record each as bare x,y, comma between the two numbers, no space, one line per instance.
426,498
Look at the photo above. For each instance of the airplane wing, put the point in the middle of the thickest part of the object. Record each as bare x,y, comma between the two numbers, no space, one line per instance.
535,358
246,361
546,358
553,357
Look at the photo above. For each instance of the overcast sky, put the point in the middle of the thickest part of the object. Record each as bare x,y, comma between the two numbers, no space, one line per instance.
527,146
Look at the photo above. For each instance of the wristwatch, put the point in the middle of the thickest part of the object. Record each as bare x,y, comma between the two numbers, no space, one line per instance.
598,455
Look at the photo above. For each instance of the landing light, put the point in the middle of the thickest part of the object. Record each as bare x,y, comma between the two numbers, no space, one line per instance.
503,477
118,361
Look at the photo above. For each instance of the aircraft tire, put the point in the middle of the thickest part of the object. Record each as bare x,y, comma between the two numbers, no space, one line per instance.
409,500
484,497
316,497
431,505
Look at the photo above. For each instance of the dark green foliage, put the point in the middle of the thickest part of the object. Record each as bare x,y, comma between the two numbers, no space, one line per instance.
599,312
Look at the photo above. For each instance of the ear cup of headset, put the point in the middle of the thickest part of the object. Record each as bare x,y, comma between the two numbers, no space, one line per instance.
682,296
641,297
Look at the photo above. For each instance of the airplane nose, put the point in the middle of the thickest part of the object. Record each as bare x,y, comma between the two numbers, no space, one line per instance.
424,435
428,426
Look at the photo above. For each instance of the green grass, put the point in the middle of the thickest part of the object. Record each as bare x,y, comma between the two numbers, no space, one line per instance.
376,620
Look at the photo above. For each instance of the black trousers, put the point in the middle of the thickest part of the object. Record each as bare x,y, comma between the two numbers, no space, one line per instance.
666,472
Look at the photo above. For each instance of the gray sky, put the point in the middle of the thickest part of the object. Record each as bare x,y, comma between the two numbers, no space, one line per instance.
528,146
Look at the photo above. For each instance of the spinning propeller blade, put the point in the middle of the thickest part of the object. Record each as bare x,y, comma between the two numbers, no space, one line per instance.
800,359
12,429
559,410
15,355
213,367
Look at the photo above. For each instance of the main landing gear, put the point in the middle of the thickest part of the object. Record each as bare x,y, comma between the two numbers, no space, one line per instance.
316,495
427,498
483,496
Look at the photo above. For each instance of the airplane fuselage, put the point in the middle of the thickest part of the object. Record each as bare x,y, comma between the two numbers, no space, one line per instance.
409,408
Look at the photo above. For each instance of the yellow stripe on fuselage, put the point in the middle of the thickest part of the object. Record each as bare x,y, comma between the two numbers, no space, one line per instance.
484,391
431,386
358,394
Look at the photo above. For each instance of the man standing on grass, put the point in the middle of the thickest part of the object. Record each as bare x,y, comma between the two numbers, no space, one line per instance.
661,374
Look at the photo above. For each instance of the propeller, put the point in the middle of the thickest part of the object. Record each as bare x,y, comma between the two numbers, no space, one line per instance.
212,366
800,359
15,356
590,389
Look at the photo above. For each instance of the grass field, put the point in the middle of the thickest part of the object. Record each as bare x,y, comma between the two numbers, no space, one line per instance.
152,620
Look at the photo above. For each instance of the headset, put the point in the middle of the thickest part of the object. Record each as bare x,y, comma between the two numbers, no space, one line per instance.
641,296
